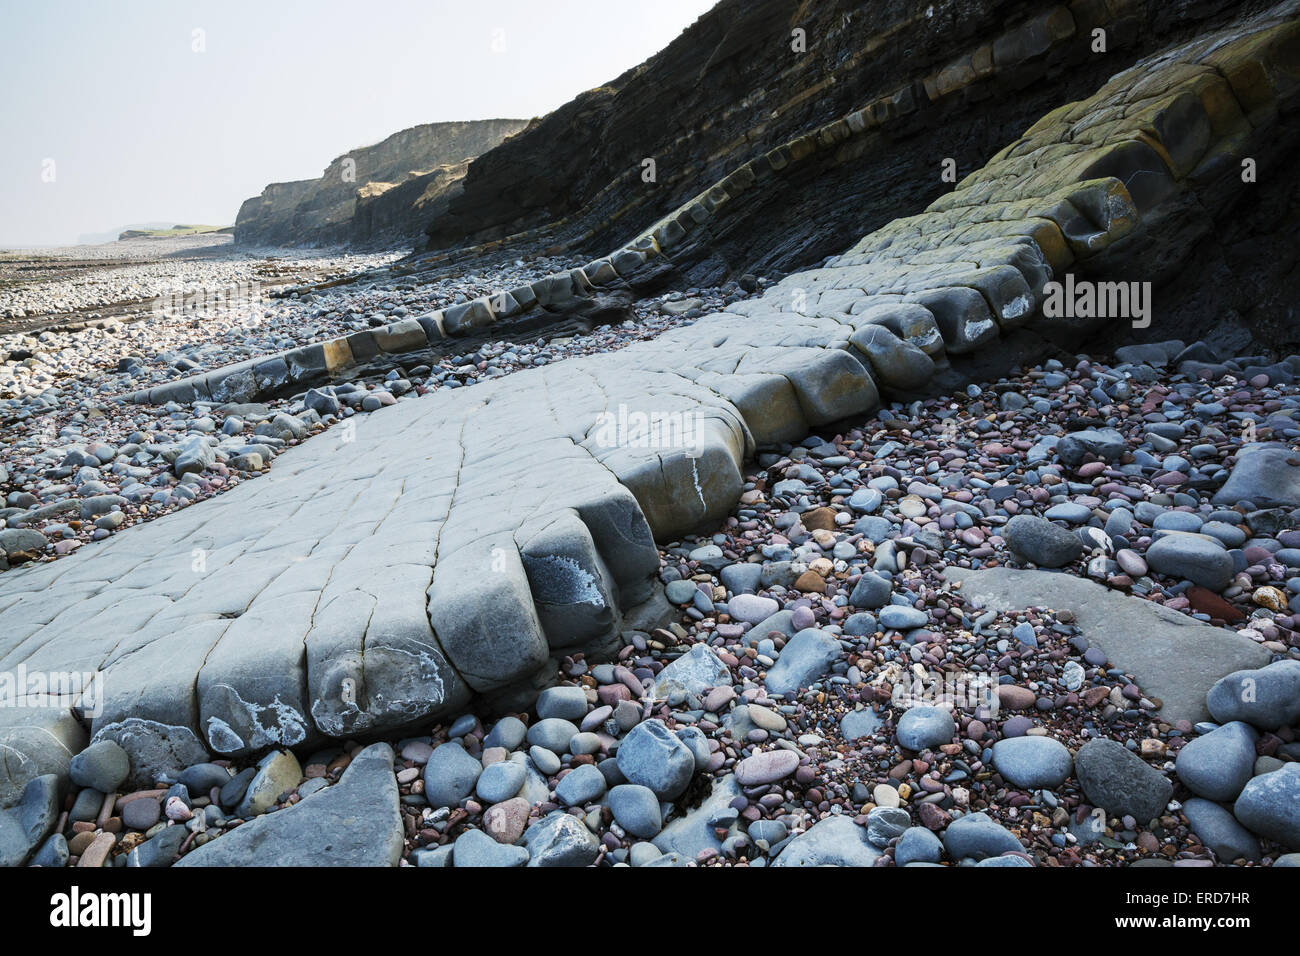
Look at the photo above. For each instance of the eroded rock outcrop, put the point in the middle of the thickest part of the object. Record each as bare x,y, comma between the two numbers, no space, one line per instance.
393,181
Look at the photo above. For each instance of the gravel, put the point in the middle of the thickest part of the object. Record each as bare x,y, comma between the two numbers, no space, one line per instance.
804,678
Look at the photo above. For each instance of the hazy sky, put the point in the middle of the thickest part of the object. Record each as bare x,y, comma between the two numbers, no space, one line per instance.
111,101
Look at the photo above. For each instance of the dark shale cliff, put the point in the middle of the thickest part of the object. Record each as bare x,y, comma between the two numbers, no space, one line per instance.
951,79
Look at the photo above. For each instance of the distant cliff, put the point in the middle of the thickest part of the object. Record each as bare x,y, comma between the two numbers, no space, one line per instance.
381,194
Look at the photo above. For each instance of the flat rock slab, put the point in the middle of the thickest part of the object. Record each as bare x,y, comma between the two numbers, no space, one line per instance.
356,822
1172,656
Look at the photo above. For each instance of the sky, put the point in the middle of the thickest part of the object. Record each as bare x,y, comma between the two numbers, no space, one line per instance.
116,112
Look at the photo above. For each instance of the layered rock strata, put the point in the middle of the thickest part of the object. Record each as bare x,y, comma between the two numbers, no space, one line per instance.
1146,161
978,71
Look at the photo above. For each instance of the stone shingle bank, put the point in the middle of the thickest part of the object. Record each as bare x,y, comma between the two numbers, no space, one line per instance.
459,540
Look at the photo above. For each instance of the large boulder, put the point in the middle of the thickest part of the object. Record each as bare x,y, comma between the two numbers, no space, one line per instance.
653,756
1192,557
450,775
834,841
102,766
1032,763
1266,474
923,727
636,809
25,826
1105,444
560,840
1266,697
1270,805
1217,765
978,836
695,671
1120,782
805,658
35,741
1038,540
194,455
356,822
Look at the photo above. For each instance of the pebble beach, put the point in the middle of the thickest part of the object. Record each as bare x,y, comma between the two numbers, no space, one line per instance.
832,683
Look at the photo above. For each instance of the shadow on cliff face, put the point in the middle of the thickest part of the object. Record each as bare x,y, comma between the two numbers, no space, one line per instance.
1237,286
